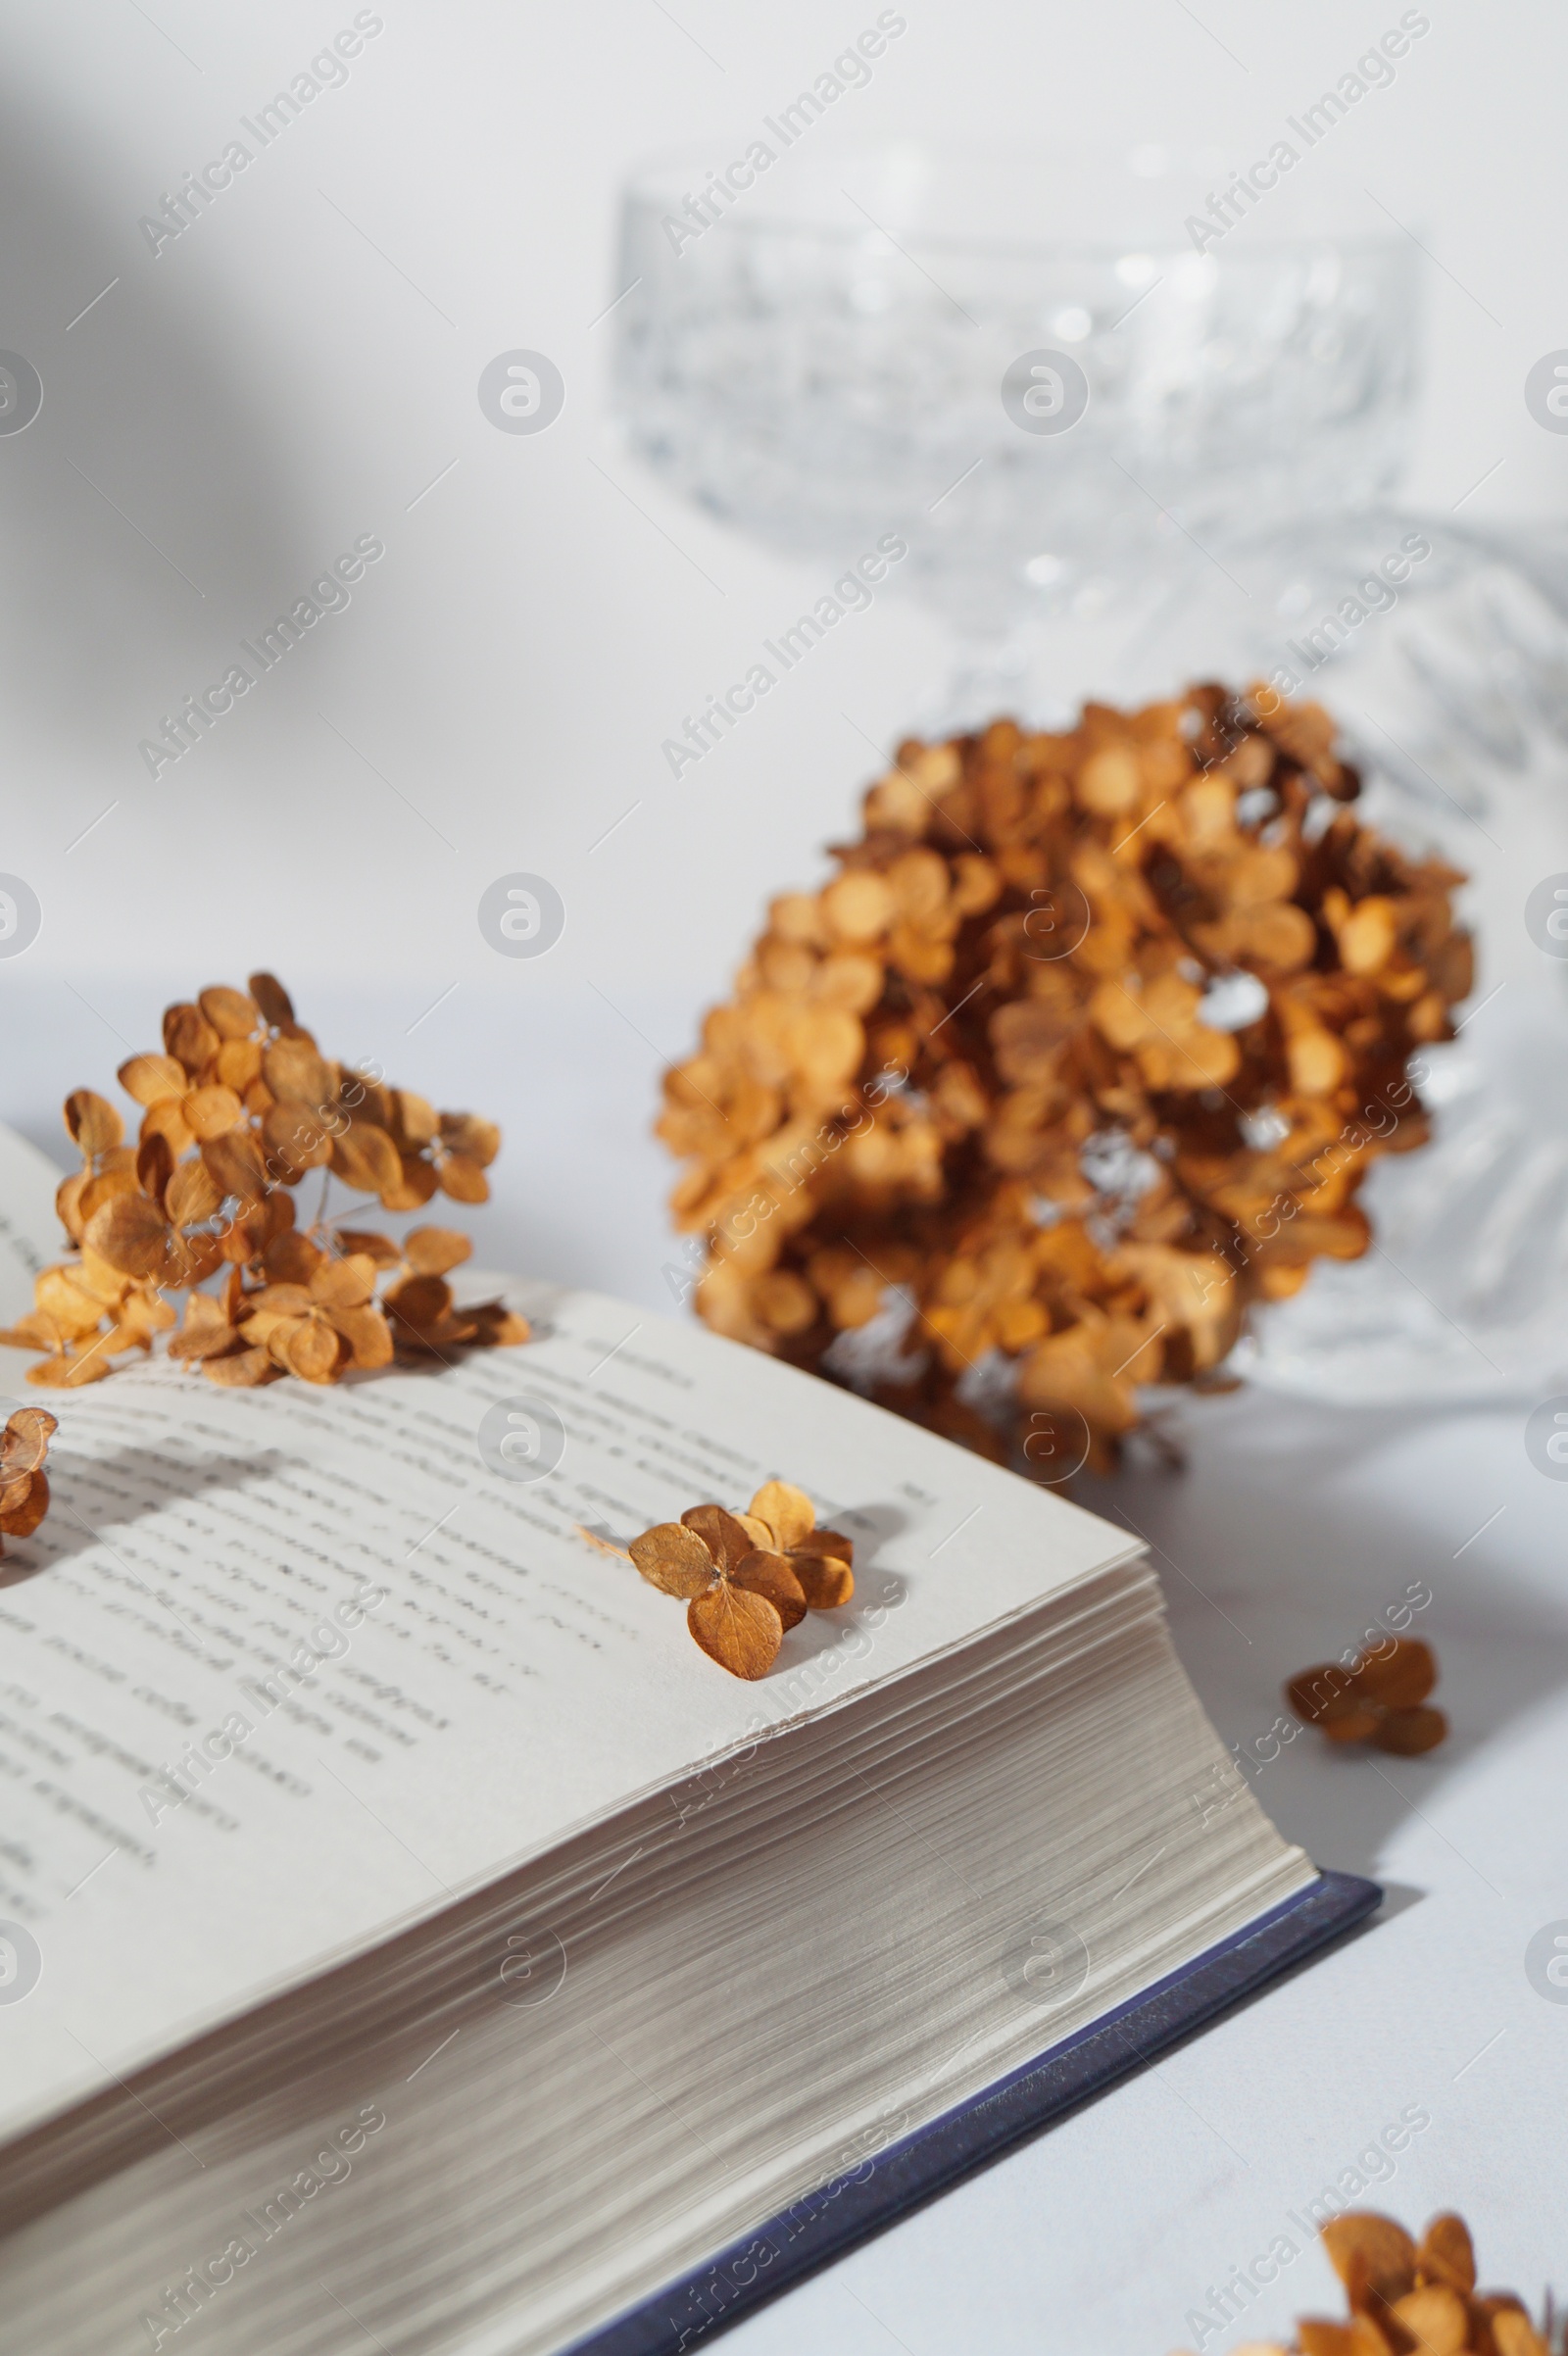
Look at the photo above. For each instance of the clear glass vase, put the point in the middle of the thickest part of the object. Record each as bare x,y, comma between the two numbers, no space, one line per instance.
1135,431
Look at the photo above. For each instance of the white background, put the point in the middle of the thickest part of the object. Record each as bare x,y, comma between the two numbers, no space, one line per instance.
296,370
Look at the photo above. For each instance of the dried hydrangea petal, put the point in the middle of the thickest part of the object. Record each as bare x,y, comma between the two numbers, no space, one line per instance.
23,1518
1447,2254
773,1575
433,1251
25,1441
1370,2251
1410,1733
741,1631
827,1580
92,1121
1398,1677
232,1013
246,1370
787,1511
674,1559
726,1538
150,1079
1438,2319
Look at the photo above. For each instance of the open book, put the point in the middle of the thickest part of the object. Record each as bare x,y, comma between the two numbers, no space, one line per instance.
408,1937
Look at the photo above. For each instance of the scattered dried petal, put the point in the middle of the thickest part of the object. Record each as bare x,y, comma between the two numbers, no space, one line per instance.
673,1559
787,1511
1409,1733
741,1631
726,1538
774,1576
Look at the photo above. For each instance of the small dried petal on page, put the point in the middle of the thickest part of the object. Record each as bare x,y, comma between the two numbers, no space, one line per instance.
674,1559
826,1581
419,1300
758,1530
25,1441
206,1333
344,1284
22,1519
143,1314
432,1250
311,1349
244,1371
67,1304
152,1079
496,1327
367,1333
726,1538
787,1511
773,1575
827,1542
67,1374
741,1631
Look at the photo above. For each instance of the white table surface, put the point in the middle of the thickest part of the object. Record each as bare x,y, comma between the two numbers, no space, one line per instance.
1292,1529
300,369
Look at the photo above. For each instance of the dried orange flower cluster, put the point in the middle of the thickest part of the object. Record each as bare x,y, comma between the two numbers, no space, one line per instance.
236,1111
1088,1045
1413,2299
24,1483
1380,1698
747,1576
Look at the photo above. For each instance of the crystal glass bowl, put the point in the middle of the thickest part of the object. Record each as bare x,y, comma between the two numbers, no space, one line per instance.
1049,374
1442,654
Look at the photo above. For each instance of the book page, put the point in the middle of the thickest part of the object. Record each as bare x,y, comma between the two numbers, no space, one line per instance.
32,1238
286,1669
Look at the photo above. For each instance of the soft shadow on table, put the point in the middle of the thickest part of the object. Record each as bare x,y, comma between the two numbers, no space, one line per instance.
1275,1551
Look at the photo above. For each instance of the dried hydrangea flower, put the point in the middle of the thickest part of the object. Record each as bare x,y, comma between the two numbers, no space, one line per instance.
747,1578
240,1107
1088,1046
24,1483
1380,1698
1409,2298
